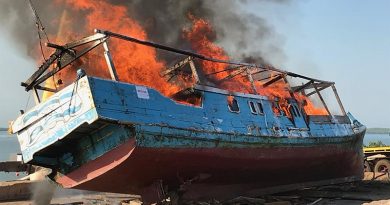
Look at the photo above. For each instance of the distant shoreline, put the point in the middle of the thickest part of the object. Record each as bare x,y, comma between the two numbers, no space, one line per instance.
378,130
3,129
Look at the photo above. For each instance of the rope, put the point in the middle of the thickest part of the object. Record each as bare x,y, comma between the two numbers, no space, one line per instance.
74,90
40,28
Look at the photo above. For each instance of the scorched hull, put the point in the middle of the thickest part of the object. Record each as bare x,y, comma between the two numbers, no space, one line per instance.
131,169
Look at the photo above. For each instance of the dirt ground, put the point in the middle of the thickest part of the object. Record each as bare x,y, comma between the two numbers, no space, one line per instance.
369,191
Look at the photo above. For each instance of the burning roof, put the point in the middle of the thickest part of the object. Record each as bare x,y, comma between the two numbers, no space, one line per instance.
140,64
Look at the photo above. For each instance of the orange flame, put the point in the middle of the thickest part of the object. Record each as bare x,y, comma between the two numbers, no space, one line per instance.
200,36
134,63
230,100
309,106
139,64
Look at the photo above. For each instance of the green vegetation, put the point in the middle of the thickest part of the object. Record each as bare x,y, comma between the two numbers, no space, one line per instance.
378,130
375,144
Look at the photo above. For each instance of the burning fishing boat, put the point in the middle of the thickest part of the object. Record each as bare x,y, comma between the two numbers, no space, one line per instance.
249,128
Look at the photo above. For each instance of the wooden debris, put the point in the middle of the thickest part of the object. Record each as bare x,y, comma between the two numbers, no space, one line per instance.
245,200
316,201
278,203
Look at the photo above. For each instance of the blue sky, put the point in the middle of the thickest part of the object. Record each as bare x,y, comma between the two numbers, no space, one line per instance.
346,41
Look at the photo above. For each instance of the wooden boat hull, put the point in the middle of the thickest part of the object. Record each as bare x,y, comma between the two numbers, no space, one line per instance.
130,168
118,137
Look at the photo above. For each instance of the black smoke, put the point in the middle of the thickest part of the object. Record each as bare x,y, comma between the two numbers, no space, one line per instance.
244,36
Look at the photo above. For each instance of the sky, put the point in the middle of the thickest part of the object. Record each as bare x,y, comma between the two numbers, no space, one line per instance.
344,41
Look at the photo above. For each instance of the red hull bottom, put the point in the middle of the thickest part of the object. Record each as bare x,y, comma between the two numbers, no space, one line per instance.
130,169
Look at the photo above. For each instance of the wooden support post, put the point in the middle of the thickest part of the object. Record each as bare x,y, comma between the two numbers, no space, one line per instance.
322,99
338,100
250,78
110,63
36,96
194,71
290,90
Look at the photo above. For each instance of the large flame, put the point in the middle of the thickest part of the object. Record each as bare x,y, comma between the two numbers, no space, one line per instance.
201,36
134,63
139,64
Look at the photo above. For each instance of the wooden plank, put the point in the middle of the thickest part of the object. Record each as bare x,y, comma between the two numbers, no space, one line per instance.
279,77
338,99
194,71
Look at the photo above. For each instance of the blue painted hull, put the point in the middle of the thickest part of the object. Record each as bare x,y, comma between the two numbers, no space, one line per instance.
119,137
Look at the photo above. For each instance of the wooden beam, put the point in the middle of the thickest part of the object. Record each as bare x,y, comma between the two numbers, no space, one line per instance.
261,79
261,71
41,88
319,89
322,99
250,78
232,75
299,88
42,69
288,86
224,70
177,66
194,71
110,62
279,77
31,82
65,60
338,99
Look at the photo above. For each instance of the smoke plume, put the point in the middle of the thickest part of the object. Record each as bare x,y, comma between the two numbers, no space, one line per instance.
43,192
244,36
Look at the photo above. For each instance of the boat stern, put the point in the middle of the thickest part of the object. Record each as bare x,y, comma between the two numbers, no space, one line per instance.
53,119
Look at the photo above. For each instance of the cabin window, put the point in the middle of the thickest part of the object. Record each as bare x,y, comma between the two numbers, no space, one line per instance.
276,108
188,97
252,107
260,107
233,104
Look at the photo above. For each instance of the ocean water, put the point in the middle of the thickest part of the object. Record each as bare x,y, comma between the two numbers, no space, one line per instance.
9,147
385,138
